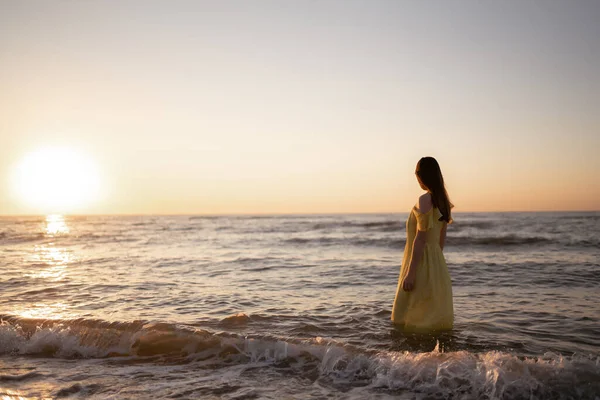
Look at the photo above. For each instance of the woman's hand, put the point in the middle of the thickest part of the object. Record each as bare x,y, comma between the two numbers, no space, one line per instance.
408,283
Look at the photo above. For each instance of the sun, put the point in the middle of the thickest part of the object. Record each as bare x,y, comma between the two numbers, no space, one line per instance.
56,180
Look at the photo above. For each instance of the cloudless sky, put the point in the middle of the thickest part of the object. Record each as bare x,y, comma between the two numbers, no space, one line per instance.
307,106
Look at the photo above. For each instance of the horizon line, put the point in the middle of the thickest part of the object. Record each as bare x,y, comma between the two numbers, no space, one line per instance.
280,214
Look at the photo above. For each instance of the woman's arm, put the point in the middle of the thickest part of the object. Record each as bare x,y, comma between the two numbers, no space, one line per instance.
443,236
417,253
425,205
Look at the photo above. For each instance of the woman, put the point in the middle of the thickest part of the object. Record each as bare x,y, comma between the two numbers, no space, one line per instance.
424,294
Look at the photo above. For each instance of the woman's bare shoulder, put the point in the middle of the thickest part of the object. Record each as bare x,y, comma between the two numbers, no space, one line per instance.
425,203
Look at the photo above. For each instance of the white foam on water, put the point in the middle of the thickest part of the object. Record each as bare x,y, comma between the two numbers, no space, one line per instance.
492,375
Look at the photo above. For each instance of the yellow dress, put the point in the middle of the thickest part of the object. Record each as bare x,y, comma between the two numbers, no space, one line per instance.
429,305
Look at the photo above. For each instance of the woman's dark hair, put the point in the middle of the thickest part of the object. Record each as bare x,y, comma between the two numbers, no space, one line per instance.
430,175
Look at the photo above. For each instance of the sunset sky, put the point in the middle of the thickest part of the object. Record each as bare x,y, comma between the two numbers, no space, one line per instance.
192,107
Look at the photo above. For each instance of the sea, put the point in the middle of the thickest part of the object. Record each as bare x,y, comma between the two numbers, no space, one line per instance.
294,307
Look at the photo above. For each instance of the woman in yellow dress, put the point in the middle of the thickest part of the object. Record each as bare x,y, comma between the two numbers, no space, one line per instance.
424,295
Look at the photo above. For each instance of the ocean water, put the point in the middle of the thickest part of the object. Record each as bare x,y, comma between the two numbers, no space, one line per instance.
294,307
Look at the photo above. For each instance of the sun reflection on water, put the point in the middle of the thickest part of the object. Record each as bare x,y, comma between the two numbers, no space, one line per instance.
14,394
56,258
11,394
55,225
8,394
48,264
58,310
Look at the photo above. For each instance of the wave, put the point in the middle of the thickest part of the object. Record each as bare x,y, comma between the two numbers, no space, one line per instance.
588,217
399,243
503,240
384,241
479,225
519,240
11,238
491,374
398,225
8,237
355,241
381,226
20,378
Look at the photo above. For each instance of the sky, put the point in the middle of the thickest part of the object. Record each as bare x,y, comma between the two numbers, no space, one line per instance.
253,107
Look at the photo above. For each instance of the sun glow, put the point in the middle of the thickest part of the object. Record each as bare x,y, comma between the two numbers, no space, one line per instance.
56,179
